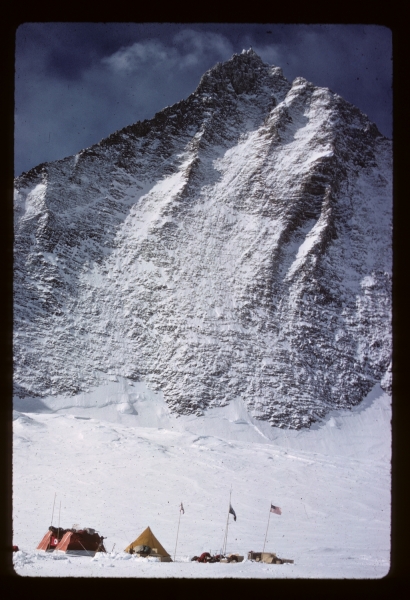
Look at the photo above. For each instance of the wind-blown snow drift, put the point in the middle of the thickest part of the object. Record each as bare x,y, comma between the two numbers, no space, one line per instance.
236,246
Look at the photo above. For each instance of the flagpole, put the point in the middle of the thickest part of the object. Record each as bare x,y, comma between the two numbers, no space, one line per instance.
264,543
52,514
227,524
59,513
179,520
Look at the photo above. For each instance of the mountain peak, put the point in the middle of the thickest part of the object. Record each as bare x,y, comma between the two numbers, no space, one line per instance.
250,51
234,249
242,73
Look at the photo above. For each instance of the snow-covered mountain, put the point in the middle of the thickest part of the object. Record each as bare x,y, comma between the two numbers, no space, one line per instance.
236,247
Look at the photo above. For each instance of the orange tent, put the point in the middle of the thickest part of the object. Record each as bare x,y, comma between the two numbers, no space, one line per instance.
49,541
81,542
78,541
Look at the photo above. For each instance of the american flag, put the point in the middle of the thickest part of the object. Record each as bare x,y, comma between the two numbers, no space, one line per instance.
275,509
232,512
181,509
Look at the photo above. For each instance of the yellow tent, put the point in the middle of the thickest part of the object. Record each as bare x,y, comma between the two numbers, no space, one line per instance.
147,538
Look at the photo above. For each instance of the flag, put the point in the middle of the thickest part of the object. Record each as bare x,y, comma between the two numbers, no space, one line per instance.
232,512
275,509
181,509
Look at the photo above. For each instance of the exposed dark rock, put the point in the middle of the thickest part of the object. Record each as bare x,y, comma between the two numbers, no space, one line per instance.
236,245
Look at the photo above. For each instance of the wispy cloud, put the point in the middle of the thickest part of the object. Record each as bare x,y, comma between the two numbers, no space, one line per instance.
188,49
77,83
139,55
196,46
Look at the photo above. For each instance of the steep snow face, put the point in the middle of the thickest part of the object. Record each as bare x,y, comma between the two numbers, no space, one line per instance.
235,247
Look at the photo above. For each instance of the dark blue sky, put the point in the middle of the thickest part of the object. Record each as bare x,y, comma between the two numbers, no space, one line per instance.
78,82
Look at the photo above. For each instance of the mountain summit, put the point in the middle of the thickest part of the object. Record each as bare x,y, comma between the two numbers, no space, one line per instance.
237,245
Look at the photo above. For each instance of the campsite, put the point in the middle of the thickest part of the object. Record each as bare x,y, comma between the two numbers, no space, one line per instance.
120,473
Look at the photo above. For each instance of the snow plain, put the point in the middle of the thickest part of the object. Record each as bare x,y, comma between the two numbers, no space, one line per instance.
119,461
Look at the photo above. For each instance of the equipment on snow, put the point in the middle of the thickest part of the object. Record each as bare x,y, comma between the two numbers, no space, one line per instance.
268,557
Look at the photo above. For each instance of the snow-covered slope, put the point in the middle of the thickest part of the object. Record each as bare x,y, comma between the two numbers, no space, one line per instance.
236,249
332,482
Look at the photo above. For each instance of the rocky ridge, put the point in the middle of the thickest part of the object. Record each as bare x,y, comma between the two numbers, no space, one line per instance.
237,245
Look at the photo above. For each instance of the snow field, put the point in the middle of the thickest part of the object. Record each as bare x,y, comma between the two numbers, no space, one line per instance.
129,471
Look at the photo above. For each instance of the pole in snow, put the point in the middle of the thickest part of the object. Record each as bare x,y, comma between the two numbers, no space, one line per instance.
59,513
227,524
181,510
52,514
266,534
